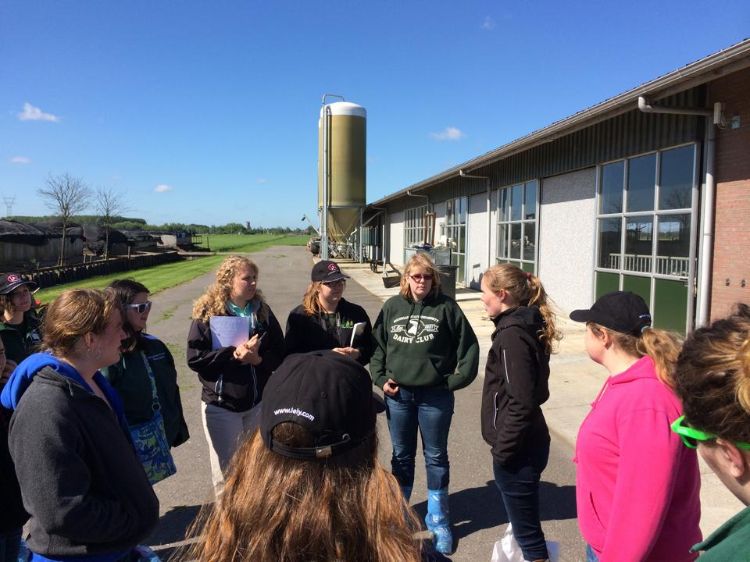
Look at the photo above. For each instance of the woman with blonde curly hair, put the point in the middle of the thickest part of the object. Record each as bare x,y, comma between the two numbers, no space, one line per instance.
515,387
713,380
308,485
233,359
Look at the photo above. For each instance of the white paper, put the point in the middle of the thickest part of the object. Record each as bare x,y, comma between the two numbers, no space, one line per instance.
229,331
357,330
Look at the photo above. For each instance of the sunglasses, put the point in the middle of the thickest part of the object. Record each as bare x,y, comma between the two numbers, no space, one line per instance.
691,436
334,283
140,307
420,277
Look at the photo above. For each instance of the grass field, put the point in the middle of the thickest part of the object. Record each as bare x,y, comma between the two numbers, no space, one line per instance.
168,275
251,242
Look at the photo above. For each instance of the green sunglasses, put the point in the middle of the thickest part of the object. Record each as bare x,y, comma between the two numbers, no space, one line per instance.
691,436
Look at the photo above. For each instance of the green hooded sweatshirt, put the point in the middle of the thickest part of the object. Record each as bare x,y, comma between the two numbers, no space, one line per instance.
427,343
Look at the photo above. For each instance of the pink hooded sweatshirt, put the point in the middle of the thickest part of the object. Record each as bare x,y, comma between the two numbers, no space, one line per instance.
637,485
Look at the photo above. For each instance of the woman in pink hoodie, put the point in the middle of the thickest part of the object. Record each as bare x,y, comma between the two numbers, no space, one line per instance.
637,487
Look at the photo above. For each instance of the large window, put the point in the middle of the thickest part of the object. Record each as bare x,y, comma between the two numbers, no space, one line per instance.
415,229
517,225
455,232
645,225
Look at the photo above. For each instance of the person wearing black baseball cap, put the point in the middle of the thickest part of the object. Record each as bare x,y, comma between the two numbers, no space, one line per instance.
19,325
637,487
326,320
307,485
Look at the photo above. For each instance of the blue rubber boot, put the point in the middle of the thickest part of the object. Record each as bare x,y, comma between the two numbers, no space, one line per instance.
438,521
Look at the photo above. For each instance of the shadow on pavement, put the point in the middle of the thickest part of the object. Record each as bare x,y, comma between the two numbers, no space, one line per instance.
174,525
475,509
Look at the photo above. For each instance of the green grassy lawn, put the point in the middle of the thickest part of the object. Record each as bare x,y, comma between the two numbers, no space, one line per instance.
168,275
251,242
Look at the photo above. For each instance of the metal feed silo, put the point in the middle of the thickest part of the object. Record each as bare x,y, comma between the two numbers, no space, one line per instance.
341,166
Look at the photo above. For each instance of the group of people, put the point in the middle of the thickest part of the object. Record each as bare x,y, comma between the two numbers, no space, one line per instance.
290,420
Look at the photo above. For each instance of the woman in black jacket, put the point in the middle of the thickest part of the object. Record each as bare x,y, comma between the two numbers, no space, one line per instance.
234,344
326,320
515,387
81,481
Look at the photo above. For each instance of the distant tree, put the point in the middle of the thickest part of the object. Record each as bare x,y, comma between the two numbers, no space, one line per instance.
109,204
66,196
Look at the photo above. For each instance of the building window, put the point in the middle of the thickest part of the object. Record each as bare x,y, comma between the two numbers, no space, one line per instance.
415,222
645,229
517,225
456,211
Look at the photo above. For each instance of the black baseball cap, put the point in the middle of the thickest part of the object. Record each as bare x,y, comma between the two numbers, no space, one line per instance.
327,271
325,392
621,311
9,282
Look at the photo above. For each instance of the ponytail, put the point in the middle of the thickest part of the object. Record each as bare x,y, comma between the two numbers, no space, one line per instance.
743,375
527,290
664,348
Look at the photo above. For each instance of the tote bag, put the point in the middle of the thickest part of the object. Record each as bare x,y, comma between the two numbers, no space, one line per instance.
150,439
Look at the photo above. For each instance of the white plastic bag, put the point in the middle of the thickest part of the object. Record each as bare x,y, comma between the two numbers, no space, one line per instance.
508,550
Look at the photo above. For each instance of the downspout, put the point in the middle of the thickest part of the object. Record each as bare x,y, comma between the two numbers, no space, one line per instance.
705,246
489,212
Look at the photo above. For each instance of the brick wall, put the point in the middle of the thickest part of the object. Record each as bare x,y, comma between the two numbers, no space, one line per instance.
731,265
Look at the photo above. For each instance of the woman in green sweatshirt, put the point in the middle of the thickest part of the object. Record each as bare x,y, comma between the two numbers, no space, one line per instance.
425,350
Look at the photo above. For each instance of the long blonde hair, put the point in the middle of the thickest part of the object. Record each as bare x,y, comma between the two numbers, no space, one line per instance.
420,261
527,290
278,509
661,346
214,301
310,301
713,376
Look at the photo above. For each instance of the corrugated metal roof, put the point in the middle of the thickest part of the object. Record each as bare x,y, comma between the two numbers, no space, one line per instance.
699,72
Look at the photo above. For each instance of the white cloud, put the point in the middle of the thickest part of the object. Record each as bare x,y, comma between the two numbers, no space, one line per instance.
31,113
20,160
488,23
261,180
163,188
448,134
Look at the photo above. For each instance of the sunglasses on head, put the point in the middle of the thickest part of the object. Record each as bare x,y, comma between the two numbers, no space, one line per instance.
421,277
140,307
691,436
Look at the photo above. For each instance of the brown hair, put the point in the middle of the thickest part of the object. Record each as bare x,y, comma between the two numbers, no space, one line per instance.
661,346
713,376
73,314
420,261
527,290
214,301
124,291
277,509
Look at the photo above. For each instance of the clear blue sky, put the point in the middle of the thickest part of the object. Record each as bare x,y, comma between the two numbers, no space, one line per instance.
206,111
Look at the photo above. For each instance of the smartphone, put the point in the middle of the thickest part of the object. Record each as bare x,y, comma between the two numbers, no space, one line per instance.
357,330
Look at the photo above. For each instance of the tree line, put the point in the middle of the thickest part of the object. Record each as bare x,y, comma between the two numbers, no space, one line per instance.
68,197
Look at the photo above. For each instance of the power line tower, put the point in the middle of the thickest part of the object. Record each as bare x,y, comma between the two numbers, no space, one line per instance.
9,202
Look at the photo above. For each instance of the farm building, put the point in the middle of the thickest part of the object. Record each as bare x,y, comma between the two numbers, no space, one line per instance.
647,191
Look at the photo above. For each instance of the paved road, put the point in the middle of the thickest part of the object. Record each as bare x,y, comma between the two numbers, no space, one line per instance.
476,508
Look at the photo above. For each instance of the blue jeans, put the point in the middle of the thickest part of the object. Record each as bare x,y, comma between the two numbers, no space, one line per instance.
590,554
518,482
10,543
430,409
